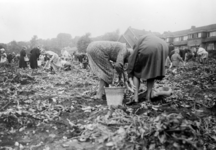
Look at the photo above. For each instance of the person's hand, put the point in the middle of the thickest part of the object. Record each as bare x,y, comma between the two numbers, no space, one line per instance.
131,87
128,87
118,68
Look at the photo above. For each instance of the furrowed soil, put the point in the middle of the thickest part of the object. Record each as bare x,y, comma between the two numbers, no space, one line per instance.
57,112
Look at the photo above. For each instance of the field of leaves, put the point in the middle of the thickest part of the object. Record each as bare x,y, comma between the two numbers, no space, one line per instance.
56,112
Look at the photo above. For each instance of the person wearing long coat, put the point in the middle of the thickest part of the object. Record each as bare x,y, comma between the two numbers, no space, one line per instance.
176,59
100,53
22,62
147,63
34,56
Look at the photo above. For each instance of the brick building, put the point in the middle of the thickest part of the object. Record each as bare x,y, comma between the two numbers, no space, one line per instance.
189,38
193,37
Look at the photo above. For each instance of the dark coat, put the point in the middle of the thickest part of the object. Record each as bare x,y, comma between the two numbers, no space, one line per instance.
9,58
171,48
148,59
81,57
34,56
182,53
22,62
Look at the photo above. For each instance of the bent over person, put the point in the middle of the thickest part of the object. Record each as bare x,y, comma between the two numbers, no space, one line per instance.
54,61
147,63
100,53
202,54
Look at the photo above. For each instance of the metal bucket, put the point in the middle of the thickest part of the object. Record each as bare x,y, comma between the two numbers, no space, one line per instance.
114,95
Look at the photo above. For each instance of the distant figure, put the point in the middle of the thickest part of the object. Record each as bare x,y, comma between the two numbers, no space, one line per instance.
173,51
171,48
189,55
82,58
22,62
34,56
168,64
54,61
17,58
176,59
182,53
3,56
202,54
9,58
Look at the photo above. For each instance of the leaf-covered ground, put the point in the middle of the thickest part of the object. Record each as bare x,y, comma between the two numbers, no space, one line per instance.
56,112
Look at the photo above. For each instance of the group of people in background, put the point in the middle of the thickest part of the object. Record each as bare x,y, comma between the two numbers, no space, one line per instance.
179,57
4,57
32,59
39,57
48,60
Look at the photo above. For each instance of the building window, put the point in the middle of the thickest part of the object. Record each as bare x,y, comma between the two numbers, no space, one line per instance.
190,36
204,35
212,34
185,38
210,46
199,35
176,39
195,35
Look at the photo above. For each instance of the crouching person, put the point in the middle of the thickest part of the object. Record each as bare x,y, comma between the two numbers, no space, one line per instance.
54,62
202,55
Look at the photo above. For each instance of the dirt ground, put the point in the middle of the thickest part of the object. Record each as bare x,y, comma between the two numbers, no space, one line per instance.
57,112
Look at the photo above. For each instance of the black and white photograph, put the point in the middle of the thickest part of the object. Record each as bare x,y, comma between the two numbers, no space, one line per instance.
107,74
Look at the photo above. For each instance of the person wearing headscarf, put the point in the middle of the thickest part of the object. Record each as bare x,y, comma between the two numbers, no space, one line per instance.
22,62
176,59
100,53
34,56
202,54
54,61
147,63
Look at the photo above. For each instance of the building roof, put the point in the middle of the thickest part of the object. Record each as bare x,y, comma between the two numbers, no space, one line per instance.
131,40
193,29
207,28
178,33
138,32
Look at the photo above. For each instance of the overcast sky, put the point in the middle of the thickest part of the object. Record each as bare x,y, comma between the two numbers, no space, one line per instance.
21,19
